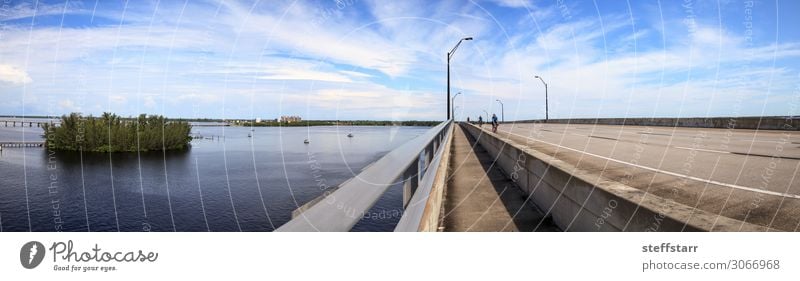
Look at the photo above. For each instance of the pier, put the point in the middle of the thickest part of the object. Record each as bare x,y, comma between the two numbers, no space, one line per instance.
22,144
207,137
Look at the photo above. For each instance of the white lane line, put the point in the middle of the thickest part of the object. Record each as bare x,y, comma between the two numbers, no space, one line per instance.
668,172
706,150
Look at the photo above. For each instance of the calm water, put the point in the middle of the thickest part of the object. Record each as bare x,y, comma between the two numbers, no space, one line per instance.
229,184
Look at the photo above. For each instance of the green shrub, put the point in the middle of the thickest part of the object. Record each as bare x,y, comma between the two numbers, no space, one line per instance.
110,133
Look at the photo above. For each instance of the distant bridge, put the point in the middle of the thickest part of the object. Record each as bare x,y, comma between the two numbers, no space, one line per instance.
27,123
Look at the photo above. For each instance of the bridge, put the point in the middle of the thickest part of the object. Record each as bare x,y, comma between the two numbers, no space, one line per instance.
686,174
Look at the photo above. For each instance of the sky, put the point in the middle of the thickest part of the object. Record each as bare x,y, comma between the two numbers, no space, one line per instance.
387,60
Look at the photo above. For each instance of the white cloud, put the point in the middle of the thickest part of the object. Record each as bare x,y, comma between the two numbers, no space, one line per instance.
513,3
13,75
118,99
28,9
149,102
68,106
305,74
367,99
355,74
293,29
194,98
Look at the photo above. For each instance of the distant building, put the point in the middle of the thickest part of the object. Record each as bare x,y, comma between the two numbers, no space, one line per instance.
258,120
290,119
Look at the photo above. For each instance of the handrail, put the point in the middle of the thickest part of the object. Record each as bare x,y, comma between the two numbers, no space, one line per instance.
343,208
415,207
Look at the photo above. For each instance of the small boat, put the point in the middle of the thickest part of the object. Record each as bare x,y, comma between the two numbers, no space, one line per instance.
249,135
306,141
350,135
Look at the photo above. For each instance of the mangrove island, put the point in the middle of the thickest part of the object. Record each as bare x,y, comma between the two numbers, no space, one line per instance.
110,133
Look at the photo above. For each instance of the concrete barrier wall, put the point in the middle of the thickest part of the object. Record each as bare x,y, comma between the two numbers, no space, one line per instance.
580,201
761,123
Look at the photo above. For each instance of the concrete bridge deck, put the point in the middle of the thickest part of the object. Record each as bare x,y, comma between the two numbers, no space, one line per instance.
744,175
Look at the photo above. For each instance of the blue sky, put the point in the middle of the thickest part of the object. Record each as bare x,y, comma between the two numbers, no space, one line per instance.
385,60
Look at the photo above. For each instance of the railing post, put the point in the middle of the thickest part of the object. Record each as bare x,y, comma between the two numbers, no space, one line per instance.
410,183
429,152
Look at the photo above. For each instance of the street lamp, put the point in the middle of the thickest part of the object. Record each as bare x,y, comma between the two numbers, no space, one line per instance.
453,101
454,111
545,98
450,55
502,110
487,115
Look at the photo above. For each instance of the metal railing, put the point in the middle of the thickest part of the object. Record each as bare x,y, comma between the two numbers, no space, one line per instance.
343,208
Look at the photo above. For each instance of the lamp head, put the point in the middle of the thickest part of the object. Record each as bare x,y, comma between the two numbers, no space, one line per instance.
537,76
467,38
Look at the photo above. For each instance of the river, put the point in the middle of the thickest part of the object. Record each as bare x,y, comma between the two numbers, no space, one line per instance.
233,179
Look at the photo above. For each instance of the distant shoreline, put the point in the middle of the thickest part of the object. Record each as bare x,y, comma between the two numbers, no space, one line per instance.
252,123
309,123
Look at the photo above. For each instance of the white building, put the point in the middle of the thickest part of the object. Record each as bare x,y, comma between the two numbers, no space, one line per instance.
291,119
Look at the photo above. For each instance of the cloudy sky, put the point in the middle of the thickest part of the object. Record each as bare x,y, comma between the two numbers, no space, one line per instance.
386,60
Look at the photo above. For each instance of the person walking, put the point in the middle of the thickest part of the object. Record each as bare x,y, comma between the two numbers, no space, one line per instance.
480,121
494,123
467,119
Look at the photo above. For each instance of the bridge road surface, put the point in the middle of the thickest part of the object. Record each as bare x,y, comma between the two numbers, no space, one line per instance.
747,175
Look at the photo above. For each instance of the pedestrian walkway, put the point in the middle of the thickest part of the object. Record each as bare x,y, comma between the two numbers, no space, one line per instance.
479,197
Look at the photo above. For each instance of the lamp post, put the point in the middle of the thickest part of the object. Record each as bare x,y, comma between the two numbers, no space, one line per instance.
450,55
453,101
487,115
454,111
546,117
502,110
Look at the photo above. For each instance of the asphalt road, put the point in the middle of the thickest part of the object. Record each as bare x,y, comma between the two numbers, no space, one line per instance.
747,175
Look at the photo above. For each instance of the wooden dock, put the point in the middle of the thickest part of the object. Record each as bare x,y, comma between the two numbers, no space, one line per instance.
206,137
